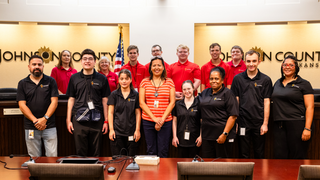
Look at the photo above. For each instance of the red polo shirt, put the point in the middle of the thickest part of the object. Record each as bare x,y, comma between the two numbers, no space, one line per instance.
181,72
147,67
62,77
112,80
239,69
205,73
138,73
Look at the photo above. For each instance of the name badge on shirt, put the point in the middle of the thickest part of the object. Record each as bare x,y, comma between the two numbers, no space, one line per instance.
186,135
156,104
90,105
31,134
130,138
136,89
242,131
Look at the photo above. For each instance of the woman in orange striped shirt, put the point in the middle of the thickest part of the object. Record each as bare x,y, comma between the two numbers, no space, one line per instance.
157,99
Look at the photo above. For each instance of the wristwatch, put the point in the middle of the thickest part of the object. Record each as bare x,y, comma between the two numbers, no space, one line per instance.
225,133
47,117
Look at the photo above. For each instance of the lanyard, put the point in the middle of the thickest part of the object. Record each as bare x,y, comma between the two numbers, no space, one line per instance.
88,88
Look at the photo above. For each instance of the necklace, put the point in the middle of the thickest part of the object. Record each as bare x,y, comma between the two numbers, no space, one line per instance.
156,88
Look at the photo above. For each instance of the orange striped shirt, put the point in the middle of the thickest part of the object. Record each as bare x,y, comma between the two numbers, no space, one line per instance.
163,98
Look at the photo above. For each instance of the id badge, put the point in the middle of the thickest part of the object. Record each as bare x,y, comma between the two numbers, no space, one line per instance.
186,135
136,89
90,105
31,134
242,131
130,138
156,104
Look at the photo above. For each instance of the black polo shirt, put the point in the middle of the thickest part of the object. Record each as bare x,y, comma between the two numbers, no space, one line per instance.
215,109
288,101
97,87
124,117
251,93
187,119
38,98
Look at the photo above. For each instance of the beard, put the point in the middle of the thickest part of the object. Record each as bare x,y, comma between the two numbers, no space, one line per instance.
36,73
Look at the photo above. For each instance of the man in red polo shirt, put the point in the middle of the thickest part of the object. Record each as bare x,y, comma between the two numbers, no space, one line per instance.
237,65
137,70
156,50
184,70
215,51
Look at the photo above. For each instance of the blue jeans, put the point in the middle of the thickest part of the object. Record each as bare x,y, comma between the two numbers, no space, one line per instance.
50,141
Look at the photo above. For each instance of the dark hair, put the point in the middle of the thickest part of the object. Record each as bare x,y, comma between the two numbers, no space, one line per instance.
164,72
128,73
251,52
35,56
237,47
132,47
220,70
60,59
157,45
213,45
297,69
90,52
190,82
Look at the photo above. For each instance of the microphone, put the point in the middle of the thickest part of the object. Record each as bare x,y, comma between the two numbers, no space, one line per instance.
25,164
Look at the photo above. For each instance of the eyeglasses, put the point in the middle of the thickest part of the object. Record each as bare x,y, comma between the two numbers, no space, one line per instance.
235,52
87,59
286,65
157,50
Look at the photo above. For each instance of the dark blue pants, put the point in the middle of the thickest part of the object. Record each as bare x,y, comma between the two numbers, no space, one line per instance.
157,141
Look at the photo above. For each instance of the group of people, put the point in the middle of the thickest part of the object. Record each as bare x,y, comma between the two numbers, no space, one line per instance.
233,102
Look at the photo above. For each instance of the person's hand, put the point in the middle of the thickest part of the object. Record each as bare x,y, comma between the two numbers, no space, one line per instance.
199,141
179,95
136,136
306,135
105,128
70,127
41,124
112,135
157,127
175,141
222,138
159,121
263,129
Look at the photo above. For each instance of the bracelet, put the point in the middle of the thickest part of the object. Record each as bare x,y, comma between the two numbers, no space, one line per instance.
307,129
106,122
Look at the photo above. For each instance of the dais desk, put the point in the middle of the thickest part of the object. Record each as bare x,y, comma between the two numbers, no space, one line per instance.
264,169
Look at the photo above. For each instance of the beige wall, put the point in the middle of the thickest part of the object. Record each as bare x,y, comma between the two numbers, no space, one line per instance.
30,37
295,37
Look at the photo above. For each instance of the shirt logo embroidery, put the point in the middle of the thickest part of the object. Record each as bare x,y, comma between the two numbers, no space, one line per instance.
42,86
93,83
111,79
187,69
131,100
193,110
293,85
217,99
259,85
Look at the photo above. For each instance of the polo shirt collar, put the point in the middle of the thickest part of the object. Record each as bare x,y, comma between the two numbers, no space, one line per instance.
119,93
44,77
257,77
298,80
220,64
216,92
134,65
241,63
82,75
62,68
184,64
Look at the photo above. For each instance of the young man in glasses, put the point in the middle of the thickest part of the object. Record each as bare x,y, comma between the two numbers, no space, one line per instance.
253,90
156,50
87,113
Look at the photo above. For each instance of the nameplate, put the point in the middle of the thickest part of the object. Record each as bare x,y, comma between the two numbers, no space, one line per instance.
12,111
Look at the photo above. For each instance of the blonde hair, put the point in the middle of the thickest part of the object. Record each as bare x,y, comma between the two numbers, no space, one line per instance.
108,61
183,47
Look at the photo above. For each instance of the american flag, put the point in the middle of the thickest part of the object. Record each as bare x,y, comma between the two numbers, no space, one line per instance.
119,62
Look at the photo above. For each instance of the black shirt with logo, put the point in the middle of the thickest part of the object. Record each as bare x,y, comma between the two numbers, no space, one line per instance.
288,101
251,93
187,119
88,87
124,117
215,109
38,98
